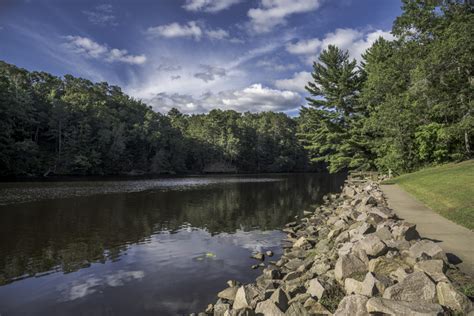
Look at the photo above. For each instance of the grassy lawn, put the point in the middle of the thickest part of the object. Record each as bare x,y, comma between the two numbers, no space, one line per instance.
446,189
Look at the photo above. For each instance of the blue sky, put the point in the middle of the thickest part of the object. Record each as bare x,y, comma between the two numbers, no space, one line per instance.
196,55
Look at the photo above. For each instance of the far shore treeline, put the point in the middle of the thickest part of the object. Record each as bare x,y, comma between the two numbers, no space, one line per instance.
408,104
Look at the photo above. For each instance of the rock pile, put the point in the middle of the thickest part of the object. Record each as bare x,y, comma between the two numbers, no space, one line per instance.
352,256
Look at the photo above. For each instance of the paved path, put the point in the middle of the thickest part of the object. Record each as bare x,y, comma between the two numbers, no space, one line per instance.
454,239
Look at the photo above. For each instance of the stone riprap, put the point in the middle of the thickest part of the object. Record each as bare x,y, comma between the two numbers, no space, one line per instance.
352,256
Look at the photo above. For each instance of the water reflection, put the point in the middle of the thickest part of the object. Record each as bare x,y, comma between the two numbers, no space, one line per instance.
164,251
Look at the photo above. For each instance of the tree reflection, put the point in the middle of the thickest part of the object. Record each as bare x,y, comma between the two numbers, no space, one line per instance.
70,234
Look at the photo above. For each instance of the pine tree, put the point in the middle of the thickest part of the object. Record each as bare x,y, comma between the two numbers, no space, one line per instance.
326,125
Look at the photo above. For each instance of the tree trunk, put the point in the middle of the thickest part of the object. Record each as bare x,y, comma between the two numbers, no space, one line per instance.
466,143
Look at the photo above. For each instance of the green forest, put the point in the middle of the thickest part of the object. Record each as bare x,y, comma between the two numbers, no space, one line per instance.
408,104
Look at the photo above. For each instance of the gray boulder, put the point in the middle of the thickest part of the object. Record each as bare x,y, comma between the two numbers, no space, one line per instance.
352,305
280,298
405,231
347,265
315,308
315,288
221,308
372,245
296,309
228,293
434,268
302,242
258,256
426,247
385,266
391,307
244,297
268,308
367,287
414,288
448,296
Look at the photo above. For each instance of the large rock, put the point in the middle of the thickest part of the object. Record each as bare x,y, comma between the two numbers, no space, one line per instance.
405,231
434,268
426,247
372,245
296,309
221,308
384,233
352,305
367,287
302,242
294,264
258,256
382,212
315,288
385,266
448,296
414,288
348,265
268,308
272,273
315,308
228,294
280,298
244,297
392,307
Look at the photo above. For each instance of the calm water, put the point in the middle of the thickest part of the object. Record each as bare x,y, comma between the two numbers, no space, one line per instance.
161,247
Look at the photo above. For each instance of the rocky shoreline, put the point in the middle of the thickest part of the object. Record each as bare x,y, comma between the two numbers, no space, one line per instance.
352,256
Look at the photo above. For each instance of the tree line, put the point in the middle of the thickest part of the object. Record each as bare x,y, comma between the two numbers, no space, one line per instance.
408,104
71,126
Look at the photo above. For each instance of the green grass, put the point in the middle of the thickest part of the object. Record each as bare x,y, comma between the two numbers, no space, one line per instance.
447,189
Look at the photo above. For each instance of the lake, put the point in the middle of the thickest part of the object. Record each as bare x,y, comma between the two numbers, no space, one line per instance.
137,247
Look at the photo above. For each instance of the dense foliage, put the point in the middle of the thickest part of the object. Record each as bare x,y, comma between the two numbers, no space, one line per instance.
51,125
409,103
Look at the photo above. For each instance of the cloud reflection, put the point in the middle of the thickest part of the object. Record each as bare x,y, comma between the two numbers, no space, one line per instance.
90,285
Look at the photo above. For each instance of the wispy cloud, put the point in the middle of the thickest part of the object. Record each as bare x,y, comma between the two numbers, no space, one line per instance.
295,83
90,49
192,29
275,12
102,15
210,73
173,30
211,6
355,41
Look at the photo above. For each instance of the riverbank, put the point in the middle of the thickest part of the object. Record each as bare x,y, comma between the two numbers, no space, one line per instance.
447,189
352,256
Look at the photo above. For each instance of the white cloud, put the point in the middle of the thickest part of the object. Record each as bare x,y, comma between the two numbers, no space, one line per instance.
304,47
191,29
209,5
91,49
254,98
274,12
102,15
296,83
123,56
273,64
217,34
356,42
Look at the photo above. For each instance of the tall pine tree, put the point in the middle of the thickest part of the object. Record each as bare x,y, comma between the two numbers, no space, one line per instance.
327,126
